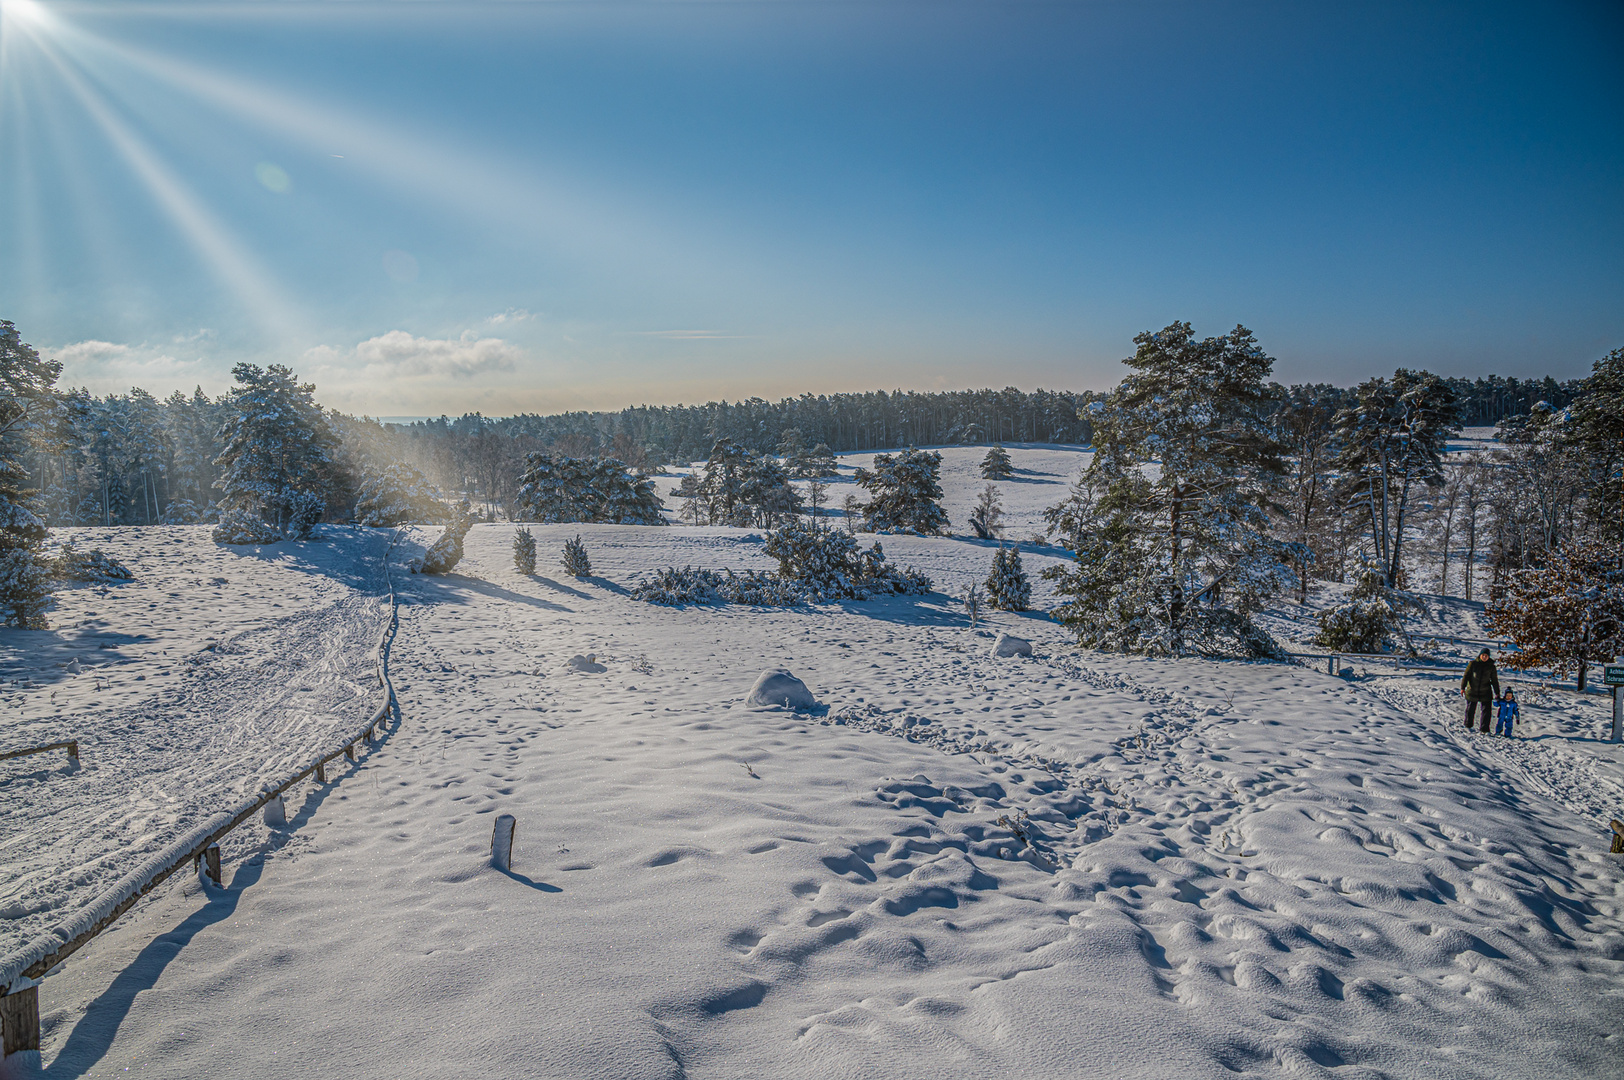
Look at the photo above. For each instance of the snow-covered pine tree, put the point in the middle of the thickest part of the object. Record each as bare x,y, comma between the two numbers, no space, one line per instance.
446,552
278,451
1390,440
996,465
395,494
554,488
1566,614
818,461
988,510
524,551
905,493
1007,586
28,411
622,498
1178,563
576,563
1596,426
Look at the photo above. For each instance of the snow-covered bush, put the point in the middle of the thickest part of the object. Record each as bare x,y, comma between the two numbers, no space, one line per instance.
397,494
1007,586
1367,621
673,587
243,526
524,551
447,551
576,564
996,465
905,493
827,564
72,564
181,512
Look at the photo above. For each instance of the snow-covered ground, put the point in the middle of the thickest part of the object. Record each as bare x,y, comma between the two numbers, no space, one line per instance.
1234,869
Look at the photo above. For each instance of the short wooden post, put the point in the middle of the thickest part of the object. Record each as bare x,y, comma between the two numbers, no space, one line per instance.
276,812
19,1015
321,772
1618,837
349,751
208,865
502,843
73,750
1330,665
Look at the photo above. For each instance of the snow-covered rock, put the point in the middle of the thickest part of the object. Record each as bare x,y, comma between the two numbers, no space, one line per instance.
776,686
587,664
1010,645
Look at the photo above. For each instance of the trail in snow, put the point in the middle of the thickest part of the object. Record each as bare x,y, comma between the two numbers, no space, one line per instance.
235,709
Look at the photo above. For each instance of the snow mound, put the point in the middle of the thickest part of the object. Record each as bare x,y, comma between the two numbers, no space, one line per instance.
587,664
776,686
1010,645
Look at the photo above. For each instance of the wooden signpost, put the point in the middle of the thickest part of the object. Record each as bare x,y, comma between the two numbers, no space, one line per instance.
1613,675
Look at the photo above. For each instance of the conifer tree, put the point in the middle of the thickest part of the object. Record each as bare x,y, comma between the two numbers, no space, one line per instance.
524,551
1007,586
1596,427
1176,560
397,493
28,411
1392,438
996,465
905,493
278,446
576,563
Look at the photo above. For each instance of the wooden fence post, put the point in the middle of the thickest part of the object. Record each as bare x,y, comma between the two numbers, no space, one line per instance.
19,1015
502,843
321,772
276,811
208,865
73,750
349,751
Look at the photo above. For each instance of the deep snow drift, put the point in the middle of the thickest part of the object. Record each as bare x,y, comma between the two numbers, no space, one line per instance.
958,864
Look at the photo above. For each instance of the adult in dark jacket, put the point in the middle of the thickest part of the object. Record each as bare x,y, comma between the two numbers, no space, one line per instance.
1480,686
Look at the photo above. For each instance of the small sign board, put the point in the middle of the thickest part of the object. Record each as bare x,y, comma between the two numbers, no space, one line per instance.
1613,675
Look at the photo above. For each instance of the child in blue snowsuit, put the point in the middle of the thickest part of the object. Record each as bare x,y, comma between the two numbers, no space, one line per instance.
1506,712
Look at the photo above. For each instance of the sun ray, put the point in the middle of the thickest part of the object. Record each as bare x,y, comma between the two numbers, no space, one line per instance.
260,295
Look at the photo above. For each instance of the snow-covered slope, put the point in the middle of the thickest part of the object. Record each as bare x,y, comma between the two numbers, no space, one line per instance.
1234,869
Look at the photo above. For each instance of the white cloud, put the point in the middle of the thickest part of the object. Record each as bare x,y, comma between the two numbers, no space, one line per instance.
512,314
398,354
106,367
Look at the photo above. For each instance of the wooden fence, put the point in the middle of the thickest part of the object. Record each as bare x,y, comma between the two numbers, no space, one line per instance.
20,973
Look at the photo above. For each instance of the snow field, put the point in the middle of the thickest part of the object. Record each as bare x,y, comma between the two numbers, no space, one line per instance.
211,672
956,865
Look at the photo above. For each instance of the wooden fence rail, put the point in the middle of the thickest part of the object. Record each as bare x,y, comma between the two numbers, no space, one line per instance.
70,745
20,973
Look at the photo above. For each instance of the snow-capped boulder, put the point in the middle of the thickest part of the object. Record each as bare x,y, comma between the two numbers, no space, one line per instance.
776,686
587,664
1010,645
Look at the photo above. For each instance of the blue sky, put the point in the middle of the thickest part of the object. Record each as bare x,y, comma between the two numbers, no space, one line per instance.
428,207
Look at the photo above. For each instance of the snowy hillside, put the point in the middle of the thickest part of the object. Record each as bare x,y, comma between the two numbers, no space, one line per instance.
1072,864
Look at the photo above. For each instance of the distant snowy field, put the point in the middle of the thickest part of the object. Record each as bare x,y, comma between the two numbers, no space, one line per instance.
1243,869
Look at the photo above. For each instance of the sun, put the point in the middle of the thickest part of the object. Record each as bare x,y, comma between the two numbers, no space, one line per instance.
25,12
